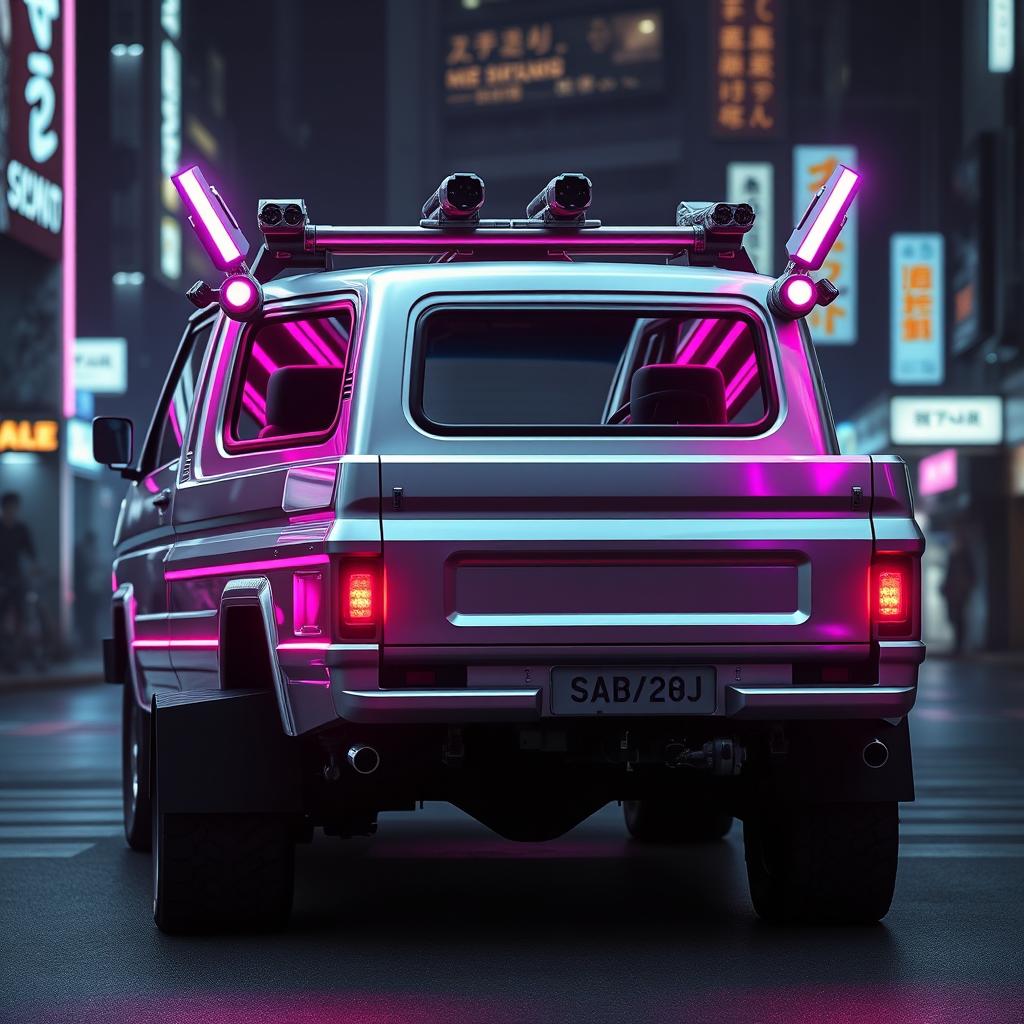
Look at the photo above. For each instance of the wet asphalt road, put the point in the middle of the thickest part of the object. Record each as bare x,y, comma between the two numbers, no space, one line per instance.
437,920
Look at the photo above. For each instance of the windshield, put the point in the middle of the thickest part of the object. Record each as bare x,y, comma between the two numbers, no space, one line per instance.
559,369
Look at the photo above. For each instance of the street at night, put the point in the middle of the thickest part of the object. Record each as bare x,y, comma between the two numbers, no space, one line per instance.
435,919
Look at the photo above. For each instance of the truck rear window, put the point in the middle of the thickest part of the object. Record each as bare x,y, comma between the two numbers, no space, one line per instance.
548,370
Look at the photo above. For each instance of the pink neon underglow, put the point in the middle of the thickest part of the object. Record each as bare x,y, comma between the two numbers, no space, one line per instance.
199,205
203,642
696,339
69,239
237,568
239,293
834,209
727,343
304,645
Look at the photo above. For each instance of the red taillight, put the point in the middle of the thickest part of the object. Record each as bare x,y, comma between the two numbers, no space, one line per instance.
891,599
362,598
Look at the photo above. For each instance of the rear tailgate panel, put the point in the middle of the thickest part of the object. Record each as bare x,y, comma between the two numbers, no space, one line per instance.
616,550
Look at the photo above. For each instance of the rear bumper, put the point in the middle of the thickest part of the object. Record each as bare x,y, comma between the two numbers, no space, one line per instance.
890,697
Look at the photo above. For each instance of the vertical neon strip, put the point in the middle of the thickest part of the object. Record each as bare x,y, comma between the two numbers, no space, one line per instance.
204,210
740,384
69,265
727,342
697,338
834,208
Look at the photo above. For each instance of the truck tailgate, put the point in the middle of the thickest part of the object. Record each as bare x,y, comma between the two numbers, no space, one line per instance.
624,550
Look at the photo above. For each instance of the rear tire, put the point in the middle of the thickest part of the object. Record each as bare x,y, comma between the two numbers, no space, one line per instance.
222,872
675,821
135,782
822,863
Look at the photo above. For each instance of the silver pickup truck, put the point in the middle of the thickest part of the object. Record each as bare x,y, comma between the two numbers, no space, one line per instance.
547,516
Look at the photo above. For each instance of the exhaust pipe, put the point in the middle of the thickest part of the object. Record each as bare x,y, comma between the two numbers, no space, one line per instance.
363,759
875,754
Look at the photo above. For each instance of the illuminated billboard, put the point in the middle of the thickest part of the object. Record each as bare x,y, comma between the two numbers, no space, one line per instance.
32,195
559,59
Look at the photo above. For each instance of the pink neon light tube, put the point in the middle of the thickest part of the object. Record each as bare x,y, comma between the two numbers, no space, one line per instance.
164,643
836,205
69,240
227,254
238,568
727,343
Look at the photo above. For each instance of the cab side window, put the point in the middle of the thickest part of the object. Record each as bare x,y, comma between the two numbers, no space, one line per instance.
175,414
289,383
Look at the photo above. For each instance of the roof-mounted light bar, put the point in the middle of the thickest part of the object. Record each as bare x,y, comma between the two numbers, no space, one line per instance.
458,201
213,222
564,200
823,219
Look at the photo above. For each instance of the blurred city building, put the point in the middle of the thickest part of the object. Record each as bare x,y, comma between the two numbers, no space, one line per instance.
362,108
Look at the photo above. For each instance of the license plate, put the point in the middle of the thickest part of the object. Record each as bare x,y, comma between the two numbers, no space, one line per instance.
651,690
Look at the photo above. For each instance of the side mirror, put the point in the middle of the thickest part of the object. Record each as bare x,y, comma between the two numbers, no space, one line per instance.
113,441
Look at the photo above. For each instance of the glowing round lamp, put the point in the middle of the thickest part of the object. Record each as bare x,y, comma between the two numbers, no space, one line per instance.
793,296
241,297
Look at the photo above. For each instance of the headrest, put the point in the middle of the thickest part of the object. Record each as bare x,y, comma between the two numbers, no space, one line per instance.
670,393
302,399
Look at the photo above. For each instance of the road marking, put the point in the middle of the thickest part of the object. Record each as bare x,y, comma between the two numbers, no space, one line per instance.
26,851
60,792
965,851
58,831
955,828
54,816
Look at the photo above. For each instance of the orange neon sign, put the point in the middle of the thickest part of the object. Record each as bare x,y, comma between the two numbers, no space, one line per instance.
28,435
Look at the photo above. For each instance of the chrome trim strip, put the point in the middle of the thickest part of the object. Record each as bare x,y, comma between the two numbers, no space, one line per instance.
819,701
796,530
396,706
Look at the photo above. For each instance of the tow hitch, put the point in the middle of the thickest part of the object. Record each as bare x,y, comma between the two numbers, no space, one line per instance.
723,756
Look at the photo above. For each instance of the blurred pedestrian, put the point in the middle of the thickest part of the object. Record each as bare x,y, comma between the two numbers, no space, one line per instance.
17,558
957,586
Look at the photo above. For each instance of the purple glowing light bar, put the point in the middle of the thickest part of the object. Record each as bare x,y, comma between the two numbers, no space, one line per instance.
823,219
215,225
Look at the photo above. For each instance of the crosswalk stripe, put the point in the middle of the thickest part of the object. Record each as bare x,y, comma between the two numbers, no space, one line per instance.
58,831
59,792
963,801
82,805
967,851
955,828
25,851
58,816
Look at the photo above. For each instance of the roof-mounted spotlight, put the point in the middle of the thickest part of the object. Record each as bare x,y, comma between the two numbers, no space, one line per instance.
212,220
823,219
456,202
793,296
715,216
283,220
564,200
241,297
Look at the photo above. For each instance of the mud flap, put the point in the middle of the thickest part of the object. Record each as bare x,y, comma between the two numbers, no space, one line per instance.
224,752
824,762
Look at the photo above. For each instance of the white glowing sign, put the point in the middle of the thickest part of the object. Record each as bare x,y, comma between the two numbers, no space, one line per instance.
1000,36
946,419
754,183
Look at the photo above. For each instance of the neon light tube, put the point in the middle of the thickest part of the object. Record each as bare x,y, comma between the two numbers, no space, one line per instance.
826,214
304,645
220,236
240,568
69,234
697,338
727,342
203,643
321,344
304,343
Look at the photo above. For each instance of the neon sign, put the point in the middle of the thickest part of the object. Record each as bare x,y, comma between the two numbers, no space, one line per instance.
28,435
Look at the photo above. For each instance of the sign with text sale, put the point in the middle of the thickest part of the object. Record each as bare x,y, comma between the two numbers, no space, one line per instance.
835,324
917,340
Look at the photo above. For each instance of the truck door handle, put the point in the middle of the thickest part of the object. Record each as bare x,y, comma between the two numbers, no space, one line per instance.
163,499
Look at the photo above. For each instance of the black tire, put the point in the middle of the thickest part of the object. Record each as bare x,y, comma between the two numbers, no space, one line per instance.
822,863
222,872
675,821
135,783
